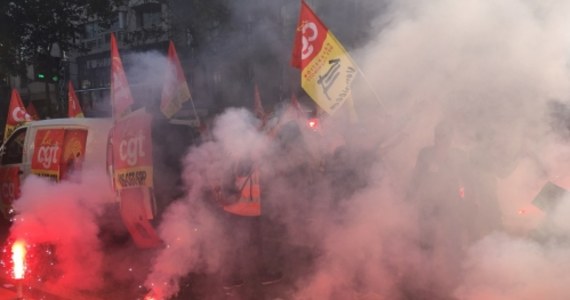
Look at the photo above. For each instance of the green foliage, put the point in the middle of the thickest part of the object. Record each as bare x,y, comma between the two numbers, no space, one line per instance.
29,28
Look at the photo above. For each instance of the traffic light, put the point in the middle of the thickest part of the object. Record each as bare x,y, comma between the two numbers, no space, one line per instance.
47,69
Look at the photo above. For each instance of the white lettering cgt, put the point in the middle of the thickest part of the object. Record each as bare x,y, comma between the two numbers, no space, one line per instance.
20,115
48,155
131,149
308,48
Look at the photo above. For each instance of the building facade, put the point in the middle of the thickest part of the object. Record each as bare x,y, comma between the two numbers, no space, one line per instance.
140,25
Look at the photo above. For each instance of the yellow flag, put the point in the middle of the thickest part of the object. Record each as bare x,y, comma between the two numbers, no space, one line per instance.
327,70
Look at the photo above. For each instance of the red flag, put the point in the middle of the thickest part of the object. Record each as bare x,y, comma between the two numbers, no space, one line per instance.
132,151
121,98
73,107
175,91
310,37
31,109
135,217
17,114
257,106
327,71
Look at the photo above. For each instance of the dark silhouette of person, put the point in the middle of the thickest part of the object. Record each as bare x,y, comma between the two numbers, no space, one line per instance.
437,190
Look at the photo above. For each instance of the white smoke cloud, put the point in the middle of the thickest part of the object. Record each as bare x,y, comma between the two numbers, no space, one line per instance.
337,198
147,73
489,70
530,266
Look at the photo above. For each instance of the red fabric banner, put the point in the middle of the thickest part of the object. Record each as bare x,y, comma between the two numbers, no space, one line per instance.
17,114
73,107
121,98
135,218
309,38
73,152
47,153
132,151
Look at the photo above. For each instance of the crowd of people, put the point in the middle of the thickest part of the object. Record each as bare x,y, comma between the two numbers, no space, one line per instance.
456,195
269,211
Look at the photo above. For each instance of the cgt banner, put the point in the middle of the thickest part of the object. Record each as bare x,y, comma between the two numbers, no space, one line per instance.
132,151
327,70
58,152
73,152
48,146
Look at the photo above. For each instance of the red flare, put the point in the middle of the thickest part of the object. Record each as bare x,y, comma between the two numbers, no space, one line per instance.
313,123
19,259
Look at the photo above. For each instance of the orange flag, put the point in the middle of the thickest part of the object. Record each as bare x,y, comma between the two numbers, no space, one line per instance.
17,114
31,109
258,107
327,71
121,98
175,91
73,107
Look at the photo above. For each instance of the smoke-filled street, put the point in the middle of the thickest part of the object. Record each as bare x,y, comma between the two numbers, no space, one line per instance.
428,158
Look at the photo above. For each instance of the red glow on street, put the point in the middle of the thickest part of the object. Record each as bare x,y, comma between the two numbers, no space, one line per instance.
19,259
150,297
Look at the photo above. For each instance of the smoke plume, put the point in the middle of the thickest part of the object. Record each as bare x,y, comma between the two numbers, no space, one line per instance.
489,72
371,208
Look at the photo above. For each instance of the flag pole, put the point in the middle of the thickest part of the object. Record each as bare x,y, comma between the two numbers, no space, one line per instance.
376,97
194,109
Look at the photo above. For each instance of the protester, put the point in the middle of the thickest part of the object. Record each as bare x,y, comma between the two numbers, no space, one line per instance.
293,201
437,189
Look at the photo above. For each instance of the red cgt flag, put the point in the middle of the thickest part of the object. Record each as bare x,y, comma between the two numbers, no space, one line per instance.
73,107
17,114
327,70
175,91
309,39
121,98
135,218
31,109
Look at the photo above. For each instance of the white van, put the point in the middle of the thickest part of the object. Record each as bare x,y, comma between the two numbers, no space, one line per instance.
17,153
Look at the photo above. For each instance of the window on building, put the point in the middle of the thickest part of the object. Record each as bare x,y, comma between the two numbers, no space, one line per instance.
91,30
149,19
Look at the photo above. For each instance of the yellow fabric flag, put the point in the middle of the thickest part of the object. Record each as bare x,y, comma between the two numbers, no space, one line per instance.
327,70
